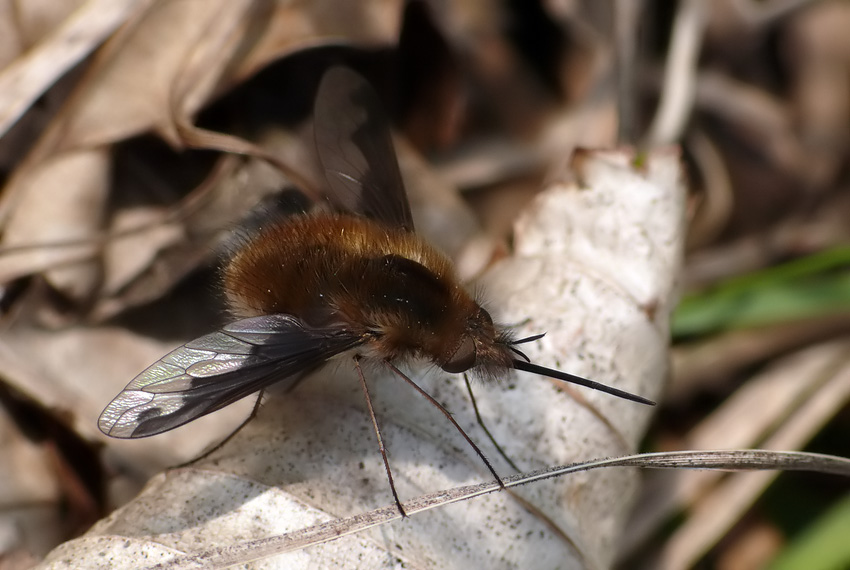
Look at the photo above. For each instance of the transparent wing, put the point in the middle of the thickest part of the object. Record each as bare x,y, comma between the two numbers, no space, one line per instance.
355,148
218,369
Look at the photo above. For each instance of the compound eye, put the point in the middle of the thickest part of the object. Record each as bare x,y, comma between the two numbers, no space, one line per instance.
463,358
486,318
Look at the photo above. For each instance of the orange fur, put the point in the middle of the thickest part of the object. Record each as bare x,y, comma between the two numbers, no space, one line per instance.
378,281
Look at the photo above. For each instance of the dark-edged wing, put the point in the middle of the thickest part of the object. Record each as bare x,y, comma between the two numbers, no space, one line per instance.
355,147
218,369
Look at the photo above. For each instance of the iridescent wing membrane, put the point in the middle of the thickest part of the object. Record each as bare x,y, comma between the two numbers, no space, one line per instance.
218,369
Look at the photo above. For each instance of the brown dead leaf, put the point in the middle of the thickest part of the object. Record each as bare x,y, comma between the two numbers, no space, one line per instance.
290,26
144,69
29,493
819,48
61,203
143,233
61,33
77,371
155,73
127,90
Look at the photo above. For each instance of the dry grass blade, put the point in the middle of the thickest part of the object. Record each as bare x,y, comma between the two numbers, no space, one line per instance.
680,75
744,460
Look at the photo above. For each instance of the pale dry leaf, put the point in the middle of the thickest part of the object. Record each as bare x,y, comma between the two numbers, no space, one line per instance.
155,73
25,24
590,125
11,42
83,28
75,372
479,164
680,73
717,198
287,27
127,90
131,86
325,532
819,50
142,234
292,26
310,455
183,51
29,493
765,402
148,251
62,203
26,474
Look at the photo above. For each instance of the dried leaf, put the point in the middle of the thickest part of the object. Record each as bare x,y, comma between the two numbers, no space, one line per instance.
309,456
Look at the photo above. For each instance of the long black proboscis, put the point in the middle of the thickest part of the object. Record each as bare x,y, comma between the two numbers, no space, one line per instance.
572,378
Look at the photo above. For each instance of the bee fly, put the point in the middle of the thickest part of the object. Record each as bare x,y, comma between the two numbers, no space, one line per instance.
313,286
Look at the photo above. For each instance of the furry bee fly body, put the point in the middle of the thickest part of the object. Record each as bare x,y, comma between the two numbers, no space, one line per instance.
385,285
312,286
